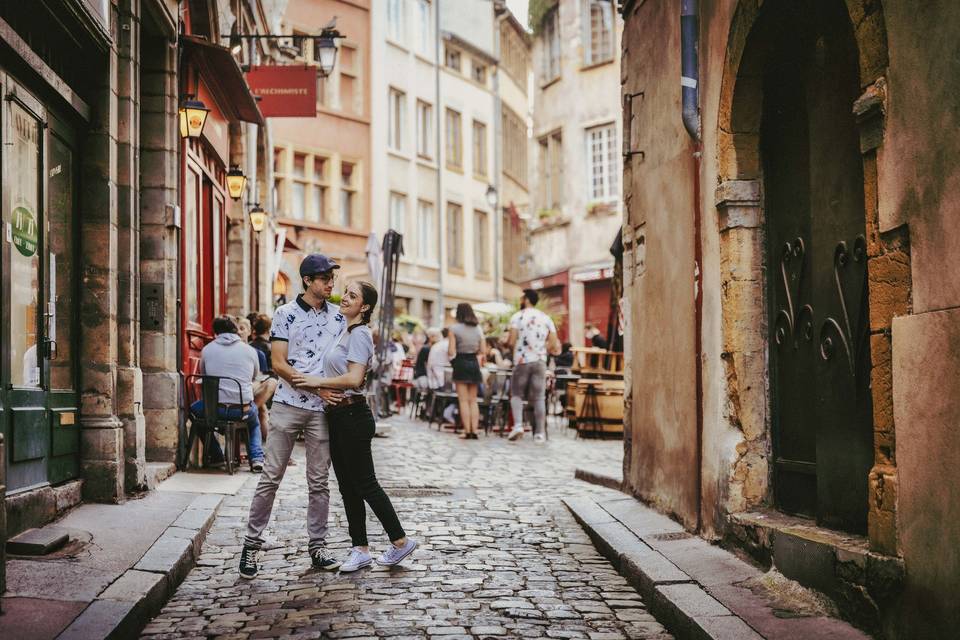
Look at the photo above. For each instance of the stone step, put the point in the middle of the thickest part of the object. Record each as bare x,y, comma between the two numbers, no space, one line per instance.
37,542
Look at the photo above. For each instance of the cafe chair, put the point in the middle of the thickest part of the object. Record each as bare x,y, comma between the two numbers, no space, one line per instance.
207,388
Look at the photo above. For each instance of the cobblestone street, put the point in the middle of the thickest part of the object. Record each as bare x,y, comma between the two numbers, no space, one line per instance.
500,556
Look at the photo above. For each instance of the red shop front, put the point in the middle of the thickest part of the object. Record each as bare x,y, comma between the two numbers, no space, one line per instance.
212,75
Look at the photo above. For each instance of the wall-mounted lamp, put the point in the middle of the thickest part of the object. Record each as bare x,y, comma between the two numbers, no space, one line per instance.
193,115
492,197
258,218
236,181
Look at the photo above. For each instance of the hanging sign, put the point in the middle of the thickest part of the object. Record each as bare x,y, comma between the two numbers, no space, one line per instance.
284,91
24,231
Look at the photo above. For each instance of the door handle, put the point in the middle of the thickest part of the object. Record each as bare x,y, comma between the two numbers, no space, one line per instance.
50,349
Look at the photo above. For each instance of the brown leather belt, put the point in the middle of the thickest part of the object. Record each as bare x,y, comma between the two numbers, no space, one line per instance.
243,407
347,402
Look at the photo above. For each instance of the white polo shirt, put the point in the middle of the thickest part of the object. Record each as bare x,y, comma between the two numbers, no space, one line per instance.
309,335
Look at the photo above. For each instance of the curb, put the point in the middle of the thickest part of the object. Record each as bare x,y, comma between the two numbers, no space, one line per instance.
597,478
674,598
123,609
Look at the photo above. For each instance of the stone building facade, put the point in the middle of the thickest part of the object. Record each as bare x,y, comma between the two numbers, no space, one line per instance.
784,276
575,159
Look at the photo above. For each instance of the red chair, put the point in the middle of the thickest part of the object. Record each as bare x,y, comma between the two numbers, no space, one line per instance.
402,382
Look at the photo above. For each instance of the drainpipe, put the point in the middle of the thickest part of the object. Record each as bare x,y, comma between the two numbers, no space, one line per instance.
690,88
439,206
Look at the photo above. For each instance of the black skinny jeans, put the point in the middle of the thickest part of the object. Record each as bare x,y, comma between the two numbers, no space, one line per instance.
351,430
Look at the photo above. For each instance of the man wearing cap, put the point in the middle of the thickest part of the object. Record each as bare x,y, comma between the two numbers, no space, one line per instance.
303,332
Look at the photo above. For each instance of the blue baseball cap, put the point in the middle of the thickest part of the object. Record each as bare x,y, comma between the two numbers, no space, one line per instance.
316,263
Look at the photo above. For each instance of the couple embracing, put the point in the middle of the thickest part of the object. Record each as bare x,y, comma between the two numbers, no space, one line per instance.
322,355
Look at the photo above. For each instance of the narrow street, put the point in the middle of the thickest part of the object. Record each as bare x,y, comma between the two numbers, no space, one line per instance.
500,555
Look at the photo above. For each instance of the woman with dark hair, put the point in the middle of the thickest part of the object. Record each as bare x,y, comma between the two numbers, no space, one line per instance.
466,343
352,427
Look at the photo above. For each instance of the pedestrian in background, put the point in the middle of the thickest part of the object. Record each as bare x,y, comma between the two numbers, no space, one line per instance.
533,335
466,344
229,356
302,333
420,378
438,360
594,337
351,431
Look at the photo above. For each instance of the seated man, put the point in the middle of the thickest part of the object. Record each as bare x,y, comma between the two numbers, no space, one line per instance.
228,356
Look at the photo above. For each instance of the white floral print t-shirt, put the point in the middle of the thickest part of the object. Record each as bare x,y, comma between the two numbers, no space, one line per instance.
309,335
533,327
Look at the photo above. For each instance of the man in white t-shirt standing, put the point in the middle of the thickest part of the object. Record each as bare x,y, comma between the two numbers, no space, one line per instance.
532,335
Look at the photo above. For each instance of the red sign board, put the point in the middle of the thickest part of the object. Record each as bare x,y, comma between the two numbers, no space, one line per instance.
284,91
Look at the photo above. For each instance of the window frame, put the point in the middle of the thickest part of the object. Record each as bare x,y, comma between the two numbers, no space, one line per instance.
396,119
454,213
426,219
284,178
349,193
396,19
401,198
480,155
424,30
592,55
551,64
481,242
605,159
424,129
453,147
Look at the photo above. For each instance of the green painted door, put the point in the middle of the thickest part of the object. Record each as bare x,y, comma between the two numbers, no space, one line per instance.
38,399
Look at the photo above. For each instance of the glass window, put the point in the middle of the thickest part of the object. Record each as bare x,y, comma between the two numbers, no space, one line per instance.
514,132
22,213
395,19
191,241
424,28
424,129
479,72
426,231
551,171
603,166
479,149
454,140
598,31
299,165
298,201
454,236
550,64
451,59
397,106
398,212
481,246
317,198
60,213
347,194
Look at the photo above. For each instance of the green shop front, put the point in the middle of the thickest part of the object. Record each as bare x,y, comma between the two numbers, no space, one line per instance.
42,123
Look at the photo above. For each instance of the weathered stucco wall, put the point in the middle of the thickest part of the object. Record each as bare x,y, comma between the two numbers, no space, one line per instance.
662,456
919,183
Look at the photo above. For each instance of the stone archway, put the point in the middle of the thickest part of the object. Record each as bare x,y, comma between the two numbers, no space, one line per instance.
739,199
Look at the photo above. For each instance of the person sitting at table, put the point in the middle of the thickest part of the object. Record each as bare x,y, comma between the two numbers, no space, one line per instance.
493,354
229,356
420,378
438,359
564,359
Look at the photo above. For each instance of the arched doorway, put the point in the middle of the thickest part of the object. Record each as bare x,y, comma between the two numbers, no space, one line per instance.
821,408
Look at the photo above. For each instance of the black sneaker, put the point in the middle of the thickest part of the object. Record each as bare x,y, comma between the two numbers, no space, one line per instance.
249,567
322,560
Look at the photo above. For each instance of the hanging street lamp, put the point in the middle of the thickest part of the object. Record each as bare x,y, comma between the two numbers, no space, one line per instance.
193,115
236,181
492,197
325,51
258,218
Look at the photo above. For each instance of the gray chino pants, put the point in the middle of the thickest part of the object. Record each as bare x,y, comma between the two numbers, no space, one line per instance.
529,382
286,423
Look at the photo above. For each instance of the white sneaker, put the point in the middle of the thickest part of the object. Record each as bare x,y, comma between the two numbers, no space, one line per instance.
356,560
539,438
516,433
394,555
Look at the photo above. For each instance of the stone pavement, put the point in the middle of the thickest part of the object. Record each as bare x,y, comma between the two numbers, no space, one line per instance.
500,555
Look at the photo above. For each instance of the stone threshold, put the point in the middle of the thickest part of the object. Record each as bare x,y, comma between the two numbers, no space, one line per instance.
863,583
699,590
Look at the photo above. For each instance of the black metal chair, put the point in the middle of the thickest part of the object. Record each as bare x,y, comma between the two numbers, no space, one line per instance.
207,389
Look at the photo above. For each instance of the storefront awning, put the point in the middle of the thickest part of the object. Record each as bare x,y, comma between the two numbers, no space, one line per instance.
222,74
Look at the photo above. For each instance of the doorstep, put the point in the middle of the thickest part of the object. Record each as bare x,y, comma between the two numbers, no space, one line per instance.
698,590
121,564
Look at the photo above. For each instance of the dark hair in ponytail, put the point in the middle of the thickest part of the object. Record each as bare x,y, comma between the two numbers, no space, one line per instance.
368,294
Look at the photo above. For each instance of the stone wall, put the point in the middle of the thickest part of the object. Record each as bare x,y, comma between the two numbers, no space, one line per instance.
159,240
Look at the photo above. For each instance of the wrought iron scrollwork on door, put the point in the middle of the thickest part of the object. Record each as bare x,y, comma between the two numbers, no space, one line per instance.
789,319
832,332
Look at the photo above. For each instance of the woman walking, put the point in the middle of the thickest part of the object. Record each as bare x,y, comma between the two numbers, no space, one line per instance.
351,430
466,343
